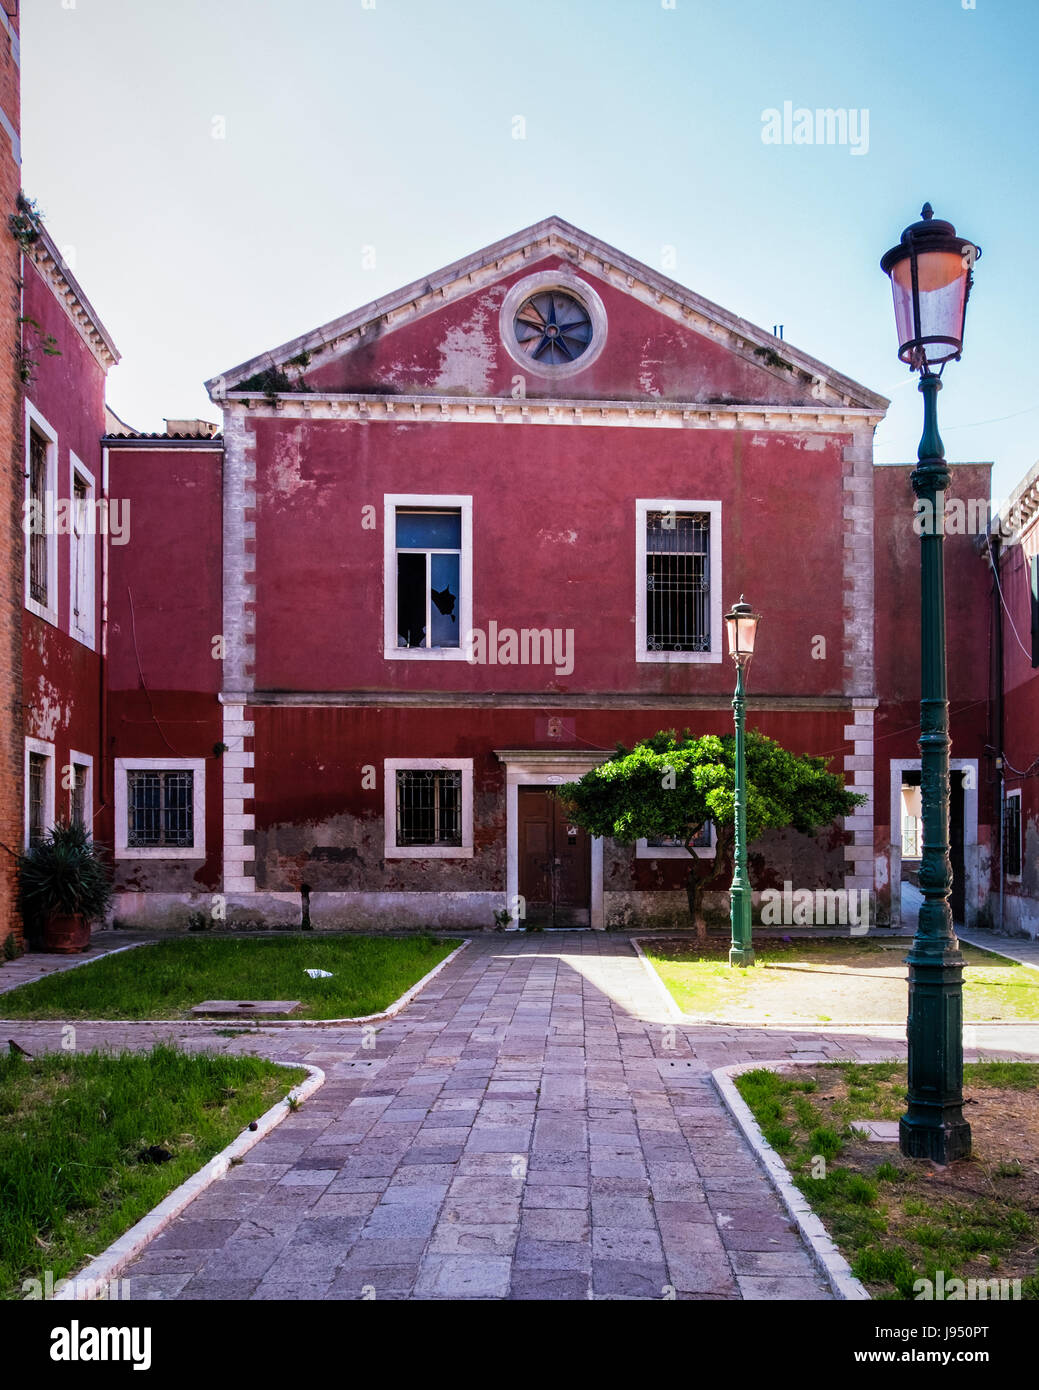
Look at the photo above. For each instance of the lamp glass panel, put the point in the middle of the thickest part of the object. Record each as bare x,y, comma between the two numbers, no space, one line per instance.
942,278
741,632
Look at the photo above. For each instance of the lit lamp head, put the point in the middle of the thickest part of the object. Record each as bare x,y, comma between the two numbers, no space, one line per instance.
931,276
741,623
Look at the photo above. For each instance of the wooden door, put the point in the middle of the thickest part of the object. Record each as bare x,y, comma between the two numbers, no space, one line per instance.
555,871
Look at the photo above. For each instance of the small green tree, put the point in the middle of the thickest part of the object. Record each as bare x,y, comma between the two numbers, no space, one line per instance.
672,786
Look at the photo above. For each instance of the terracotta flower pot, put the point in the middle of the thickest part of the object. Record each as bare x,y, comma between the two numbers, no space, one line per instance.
66,934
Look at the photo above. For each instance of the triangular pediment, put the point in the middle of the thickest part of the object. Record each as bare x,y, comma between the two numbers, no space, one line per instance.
453,334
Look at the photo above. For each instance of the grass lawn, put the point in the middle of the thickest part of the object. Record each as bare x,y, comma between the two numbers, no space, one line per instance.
165,980
840,980
898,1219
72,1126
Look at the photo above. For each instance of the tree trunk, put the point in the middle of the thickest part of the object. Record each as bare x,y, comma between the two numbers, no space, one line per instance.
703,873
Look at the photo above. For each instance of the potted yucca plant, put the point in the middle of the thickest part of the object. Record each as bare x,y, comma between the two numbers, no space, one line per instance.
65,885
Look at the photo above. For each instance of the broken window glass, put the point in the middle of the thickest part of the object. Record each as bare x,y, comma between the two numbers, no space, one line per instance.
429,558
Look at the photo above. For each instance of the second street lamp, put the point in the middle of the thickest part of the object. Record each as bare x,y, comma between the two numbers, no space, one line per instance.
930,272
742,625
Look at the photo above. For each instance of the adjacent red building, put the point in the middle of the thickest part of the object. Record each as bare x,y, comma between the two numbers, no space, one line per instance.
70,524
1012,557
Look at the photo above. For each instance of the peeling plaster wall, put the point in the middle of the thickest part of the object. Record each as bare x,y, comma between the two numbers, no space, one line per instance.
553,546
457,349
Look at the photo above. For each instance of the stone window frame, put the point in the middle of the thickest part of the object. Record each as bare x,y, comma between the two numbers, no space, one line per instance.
45,750
36,423
83,632
85,761
713,507
1015,795
390,768
197,849
463,503
647,851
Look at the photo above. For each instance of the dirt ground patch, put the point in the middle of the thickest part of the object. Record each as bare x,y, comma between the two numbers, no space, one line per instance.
836,980
898,1220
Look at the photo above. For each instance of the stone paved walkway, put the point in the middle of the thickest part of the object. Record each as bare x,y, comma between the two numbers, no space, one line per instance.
1019,948
532,1126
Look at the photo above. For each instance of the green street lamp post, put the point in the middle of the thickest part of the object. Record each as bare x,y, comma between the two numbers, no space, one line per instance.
930,271
742,626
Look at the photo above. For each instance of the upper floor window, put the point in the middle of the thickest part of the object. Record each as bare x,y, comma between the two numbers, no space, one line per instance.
428,575
1033,585
81,554
41,549
678,581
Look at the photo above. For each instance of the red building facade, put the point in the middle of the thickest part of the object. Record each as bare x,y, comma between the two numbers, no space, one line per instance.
71,525
12,468
445,445
450,550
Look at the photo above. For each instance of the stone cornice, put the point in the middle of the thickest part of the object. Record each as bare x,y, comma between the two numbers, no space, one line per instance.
546,700
489,410
584,252
66,290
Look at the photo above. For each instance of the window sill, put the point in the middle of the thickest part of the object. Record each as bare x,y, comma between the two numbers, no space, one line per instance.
49,615
428,852
685,658
424,654
161,852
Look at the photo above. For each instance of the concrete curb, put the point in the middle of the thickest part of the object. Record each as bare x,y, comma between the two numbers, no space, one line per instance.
255,1026
665,994
83,1285
981,941
827,1257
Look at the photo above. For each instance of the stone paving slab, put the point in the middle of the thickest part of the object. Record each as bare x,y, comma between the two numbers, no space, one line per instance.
536,1126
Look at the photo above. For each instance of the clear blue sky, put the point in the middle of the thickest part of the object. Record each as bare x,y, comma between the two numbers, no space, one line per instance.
390,125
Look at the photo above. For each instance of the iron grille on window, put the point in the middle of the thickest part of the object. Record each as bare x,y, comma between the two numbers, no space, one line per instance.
160,809
79,795
678,582
429,807
1012,836
37,779
38,531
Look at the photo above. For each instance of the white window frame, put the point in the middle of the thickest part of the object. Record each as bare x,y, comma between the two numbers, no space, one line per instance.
1015,796
390,768
46,750
643,506
85,761
123,850
35,422
464,504
82,631
644,850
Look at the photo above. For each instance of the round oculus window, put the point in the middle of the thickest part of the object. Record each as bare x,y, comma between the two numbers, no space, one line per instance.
552,328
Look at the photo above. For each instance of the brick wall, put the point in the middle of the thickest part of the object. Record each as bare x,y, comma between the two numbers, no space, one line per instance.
11,494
